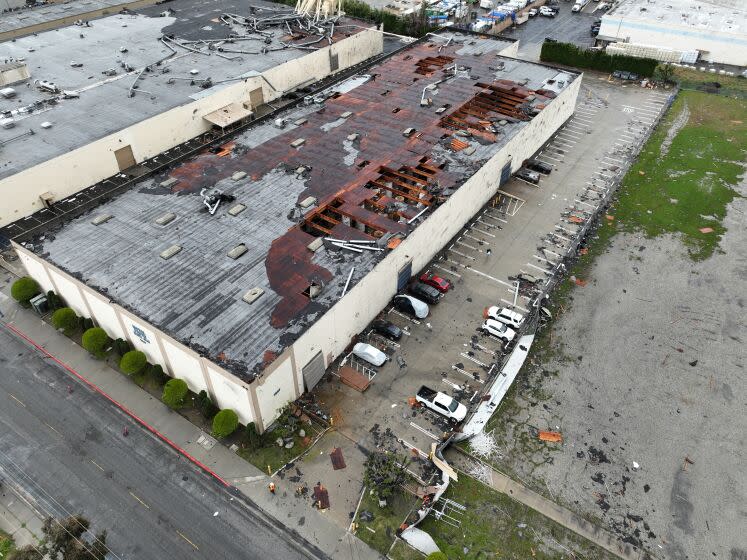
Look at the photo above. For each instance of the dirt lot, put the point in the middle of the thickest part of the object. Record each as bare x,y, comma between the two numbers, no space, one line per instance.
646,363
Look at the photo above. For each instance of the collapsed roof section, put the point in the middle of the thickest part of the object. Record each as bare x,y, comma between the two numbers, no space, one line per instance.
364,161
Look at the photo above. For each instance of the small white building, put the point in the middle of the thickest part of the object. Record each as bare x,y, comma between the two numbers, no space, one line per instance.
679,30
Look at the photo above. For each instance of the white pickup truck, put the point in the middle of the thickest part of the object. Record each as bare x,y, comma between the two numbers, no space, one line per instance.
442,403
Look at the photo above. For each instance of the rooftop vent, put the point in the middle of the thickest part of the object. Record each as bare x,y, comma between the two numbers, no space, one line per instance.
236,209
299,122
315,245
346,114
168,183
253,295
171,251
101,219
238,175
298,143
237,251
308,201
408,132
165,219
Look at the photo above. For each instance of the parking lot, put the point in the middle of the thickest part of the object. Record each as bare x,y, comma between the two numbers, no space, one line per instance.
524,230
565,26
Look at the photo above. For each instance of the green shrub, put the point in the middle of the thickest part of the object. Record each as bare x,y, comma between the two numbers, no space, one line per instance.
133,362
156,375
24,289
86,323
251,436
174,393
66,320
225,423
206,406
121,347
436,556
572,55
54,301
96,341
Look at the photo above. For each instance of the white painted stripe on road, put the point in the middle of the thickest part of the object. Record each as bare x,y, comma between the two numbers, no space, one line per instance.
517,306
447,270
585,203
424,431
472,359
476,239
468,246
542,270
452,250
614,159
543,259
465,267
413,448
552,158
482,231
468,374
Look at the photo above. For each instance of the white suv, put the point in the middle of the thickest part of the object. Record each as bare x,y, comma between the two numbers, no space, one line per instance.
505,316
498,330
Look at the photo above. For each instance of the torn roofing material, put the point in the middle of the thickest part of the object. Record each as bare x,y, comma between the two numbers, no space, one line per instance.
365,165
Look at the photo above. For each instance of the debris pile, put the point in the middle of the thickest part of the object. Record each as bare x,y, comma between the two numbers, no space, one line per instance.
483,445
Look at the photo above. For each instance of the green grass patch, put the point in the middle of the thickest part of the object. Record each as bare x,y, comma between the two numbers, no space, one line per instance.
6,544
690,186
495,526
380,532
403,551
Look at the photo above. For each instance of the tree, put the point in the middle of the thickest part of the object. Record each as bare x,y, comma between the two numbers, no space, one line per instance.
206,406
63,541
174,392
225,423
664,73
54,301
385,472
121,347
133,362
96,341
24,289
251,436
156,374
66,320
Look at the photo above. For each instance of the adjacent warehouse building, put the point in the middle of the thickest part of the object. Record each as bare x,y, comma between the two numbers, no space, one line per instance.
92,103
245,300
678,30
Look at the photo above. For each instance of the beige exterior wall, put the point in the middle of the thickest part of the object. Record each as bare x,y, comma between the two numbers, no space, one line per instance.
226,390
72,172
282,382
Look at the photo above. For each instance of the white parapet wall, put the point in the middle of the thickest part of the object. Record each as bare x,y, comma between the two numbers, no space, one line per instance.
74,171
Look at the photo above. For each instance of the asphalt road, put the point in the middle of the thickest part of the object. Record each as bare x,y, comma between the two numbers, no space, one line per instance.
65,453
567,26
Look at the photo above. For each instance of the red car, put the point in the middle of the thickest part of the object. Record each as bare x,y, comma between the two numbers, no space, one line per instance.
441,284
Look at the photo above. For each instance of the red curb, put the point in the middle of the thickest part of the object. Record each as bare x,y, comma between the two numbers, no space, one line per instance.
123,408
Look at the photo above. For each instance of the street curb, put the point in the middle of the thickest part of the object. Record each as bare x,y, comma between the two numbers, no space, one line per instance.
120,406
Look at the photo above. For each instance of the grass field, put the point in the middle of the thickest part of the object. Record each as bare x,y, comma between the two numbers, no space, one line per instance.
495,526
689,186
6,545
380,532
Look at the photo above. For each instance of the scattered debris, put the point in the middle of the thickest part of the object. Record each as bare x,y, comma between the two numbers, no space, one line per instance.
706,230
320,496
338,461
550,436
687,461
483,445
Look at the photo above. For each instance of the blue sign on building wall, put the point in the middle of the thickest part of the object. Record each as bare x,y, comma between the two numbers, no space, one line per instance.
140,333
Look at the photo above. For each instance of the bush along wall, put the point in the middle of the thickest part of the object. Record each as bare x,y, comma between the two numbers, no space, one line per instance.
572,55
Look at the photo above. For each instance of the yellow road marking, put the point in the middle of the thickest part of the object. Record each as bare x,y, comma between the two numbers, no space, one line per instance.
17,400
52,428
99,466
186,539
142,502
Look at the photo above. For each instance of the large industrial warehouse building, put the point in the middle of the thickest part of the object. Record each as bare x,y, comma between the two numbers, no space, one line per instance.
247,301
679,30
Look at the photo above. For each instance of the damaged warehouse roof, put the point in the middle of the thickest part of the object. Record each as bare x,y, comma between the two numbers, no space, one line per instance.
362,162
98,71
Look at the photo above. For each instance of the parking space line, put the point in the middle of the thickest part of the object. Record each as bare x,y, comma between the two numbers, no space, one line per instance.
567,141
413,448
479,219
424,431
572,232
465,267
468,374
476,238
451,384
484,214
392,310
562,236
482,231
614,159
545,250
576,129
585,203
452,250
582,119
482,348
544,259
565,130
527,182
542,270
447,270
552,158
473,359
468,246
517,306
603,175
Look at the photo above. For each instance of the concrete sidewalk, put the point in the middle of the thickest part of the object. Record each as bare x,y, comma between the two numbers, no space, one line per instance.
295,513
18,519
502,483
